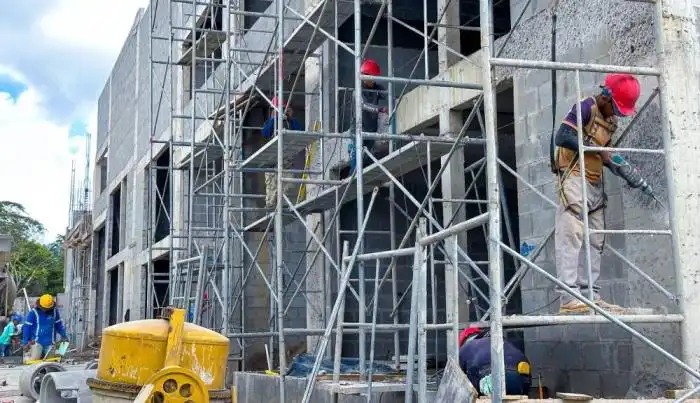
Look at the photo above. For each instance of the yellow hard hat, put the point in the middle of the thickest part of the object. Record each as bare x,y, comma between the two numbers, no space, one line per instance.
46,301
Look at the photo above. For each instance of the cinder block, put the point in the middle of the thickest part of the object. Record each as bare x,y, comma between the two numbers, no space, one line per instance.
598,356
565,354
550,333
624,358
587,382
610,331
543,222
526,225
581,333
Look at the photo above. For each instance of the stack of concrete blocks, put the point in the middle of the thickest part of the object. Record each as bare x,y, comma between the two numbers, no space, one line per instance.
602,360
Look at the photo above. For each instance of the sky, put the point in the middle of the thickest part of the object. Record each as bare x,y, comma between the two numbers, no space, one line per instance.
55,57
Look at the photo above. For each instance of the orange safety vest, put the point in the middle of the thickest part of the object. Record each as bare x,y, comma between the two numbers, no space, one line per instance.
597,131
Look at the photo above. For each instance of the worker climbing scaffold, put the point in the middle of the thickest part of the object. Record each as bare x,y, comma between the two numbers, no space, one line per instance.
372,97
599,116
268,132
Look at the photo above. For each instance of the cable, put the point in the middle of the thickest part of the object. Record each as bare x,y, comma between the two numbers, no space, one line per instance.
542,307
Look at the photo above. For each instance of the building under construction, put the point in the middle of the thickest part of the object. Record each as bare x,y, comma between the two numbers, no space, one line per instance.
448,220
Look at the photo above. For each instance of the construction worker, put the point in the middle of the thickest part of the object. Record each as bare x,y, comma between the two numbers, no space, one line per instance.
475,362
41,327
372,96
268,131
8,334
599,115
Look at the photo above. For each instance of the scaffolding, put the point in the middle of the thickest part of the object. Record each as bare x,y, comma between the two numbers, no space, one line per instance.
78,246
203,217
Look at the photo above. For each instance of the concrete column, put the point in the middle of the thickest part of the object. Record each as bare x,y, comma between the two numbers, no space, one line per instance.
680,95
452,180
448,36
317,77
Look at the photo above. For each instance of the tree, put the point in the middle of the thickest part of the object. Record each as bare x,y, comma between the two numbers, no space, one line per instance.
36,267
15,222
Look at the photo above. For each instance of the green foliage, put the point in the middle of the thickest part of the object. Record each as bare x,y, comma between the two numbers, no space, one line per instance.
15,221
36,267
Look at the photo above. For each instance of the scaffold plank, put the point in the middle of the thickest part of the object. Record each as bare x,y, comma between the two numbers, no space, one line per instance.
400,162
266,156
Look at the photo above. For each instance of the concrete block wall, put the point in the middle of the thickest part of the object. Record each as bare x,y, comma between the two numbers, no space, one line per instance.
103,115
600,360
122,116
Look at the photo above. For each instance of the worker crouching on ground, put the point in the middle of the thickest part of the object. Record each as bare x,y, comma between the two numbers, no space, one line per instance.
475,362
268,132
41,327
372,96
9,335
599,117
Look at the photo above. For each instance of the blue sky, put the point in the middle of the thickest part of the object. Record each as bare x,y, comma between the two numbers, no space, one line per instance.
54,60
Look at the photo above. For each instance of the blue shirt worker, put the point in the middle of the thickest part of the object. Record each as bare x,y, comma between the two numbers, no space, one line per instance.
475,362
373,95
42,325
8,333
268,132
290,122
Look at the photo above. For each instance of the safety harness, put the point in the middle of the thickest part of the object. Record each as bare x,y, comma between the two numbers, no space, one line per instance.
597,131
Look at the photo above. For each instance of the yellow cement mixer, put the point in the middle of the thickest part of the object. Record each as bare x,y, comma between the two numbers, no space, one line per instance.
161,360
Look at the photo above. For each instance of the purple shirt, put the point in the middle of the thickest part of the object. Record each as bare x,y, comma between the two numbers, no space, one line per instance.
586,105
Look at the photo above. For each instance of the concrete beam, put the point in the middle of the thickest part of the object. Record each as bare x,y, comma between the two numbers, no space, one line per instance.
421,107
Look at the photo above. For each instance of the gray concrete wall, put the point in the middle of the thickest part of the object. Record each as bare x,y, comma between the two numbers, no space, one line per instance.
261,388
600,360
122,117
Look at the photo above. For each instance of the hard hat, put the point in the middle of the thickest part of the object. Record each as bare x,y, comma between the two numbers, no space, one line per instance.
46,301
17,317
275,101
370,68
624,91
466,333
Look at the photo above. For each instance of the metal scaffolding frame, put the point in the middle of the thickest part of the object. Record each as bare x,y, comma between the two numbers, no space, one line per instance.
79,259
207,209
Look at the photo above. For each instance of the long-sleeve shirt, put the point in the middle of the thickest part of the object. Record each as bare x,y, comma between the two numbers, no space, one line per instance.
41,326
7,333
567,135
372,99
290,123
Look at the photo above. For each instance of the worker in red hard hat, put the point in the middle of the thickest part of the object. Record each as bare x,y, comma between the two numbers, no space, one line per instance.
373,96
475,362
268,131
599,114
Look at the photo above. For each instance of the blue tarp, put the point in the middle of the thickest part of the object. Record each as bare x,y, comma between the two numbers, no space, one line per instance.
303,363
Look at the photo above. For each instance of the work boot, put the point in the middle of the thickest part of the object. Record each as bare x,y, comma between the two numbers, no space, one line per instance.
573,306
610,308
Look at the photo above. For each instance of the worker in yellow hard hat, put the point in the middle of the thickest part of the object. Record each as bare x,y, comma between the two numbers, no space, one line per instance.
42,325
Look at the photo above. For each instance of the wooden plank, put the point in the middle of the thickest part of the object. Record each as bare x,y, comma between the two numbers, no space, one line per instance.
455,386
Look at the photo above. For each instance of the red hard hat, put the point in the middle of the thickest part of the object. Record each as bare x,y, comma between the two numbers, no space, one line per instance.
275,101
624,90
466,333
370,68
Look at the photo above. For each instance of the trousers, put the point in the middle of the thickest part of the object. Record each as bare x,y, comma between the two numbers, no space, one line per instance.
271,189
569,234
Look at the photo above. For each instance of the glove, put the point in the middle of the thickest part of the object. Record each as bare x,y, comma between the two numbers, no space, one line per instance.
624,170
485,385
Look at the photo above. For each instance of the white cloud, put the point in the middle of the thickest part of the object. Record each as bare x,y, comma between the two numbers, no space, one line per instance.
34,161
98,25
75,44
